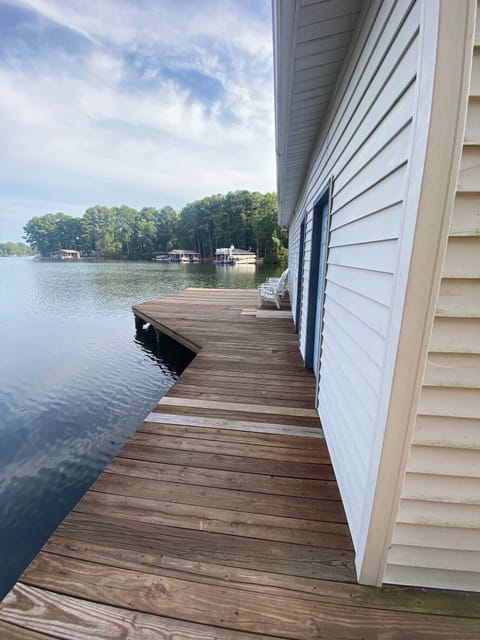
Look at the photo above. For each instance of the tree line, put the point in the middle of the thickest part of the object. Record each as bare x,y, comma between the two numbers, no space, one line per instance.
248,220
14,249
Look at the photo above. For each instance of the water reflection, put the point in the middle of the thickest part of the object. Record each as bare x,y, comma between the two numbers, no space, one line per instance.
65,433
165,352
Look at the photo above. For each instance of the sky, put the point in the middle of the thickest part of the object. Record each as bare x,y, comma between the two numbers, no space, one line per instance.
137,102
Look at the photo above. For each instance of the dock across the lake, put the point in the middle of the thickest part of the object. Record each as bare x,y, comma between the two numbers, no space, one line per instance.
220,519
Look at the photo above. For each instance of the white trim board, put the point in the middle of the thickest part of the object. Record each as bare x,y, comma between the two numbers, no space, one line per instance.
267,313
234,425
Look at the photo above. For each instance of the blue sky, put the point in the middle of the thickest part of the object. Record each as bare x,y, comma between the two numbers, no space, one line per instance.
138,102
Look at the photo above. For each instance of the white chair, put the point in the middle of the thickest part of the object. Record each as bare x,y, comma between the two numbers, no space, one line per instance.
273,290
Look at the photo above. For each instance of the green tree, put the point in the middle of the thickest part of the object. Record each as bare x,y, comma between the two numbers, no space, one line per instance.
197,226
237,214
101,232
243,218
40,233
68,231
49,233
14,249
166,222
123,229
270,239
145,231
108,243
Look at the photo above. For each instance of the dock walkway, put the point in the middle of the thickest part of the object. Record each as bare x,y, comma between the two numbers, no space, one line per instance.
220,519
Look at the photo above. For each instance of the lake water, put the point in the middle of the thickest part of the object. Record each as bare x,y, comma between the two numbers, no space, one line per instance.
76,381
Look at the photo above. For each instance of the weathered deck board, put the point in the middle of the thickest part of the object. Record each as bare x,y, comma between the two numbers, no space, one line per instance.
246,501
79,619
152,436
299,487
180,549
281,614
270,440
216,520
228,462
220,519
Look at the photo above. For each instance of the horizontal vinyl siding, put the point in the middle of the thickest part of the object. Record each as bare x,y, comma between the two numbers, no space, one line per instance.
455,335
426,577
293,259
438,537
366,147
305,280
447,431
453,370
436,540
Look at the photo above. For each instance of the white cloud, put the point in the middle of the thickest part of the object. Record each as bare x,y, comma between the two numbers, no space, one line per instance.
171,23
54,12
108,123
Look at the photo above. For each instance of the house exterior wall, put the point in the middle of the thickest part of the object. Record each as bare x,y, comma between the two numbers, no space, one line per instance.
367,146
386,120
436,538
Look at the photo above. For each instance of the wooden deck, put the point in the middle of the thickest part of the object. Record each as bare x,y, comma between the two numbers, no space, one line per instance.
220,518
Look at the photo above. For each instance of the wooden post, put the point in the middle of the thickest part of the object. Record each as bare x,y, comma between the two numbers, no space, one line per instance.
139,322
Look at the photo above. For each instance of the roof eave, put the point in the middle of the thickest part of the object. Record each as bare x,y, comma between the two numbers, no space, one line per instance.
299,30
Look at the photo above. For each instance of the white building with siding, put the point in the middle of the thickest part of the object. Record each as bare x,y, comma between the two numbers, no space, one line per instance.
378,156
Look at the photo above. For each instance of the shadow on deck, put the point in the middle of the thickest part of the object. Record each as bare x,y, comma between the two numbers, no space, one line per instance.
220,518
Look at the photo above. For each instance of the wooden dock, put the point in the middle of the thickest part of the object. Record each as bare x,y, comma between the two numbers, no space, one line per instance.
220,519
